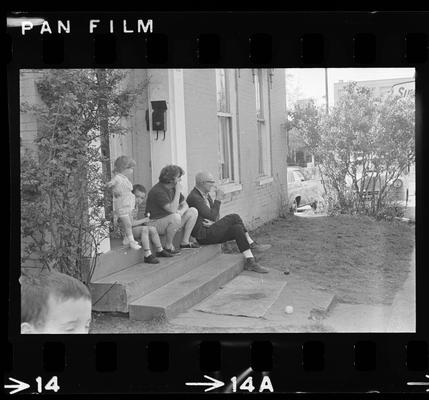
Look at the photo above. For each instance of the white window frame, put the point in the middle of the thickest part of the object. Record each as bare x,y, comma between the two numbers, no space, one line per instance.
262,97
231,182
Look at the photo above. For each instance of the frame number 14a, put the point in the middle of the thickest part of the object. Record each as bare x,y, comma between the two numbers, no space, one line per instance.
247,385
236,384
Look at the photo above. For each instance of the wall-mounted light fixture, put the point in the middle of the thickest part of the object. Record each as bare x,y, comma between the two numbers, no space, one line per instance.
158,117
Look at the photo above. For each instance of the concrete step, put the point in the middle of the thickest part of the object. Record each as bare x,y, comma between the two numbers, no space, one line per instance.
188,289
115,260
122,257
116,291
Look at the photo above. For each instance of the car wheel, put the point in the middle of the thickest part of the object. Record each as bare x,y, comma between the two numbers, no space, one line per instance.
294,206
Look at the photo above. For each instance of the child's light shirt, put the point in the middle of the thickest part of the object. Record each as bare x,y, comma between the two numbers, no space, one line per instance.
125,202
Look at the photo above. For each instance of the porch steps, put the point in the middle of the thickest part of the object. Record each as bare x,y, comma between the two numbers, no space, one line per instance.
122,257
124,285
188,289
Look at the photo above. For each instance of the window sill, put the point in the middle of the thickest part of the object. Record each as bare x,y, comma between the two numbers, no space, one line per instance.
231,187
264,180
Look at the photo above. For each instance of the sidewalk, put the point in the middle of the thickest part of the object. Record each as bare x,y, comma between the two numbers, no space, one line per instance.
403,317
410,211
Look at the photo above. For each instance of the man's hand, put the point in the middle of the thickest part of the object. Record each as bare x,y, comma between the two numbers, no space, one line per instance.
220,195
207,222
179,187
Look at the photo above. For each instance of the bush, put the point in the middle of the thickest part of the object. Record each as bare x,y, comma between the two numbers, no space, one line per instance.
64,217
390,211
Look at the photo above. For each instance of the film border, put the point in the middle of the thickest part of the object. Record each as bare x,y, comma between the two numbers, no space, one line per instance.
296,40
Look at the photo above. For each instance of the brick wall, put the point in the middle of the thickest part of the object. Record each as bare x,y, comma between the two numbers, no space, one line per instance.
28,94
255,203
201,122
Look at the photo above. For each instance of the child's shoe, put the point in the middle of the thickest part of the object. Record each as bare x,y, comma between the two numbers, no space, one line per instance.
151,259
134,245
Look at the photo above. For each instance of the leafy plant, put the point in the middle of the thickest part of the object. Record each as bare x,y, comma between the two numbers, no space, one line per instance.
65,212
363,141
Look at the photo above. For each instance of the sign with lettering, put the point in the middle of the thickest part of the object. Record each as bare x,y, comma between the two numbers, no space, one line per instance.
404,89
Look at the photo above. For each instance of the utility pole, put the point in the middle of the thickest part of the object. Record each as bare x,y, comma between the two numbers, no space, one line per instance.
326,90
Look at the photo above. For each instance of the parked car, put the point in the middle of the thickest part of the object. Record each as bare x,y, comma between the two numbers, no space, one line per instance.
397,190
302,190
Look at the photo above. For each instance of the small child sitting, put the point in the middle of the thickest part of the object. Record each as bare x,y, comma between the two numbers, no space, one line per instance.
145,233
123,197
53,302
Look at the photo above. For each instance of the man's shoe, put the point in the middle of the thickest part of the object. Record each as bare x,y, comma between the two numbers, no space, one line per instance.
151,259
252,265
173,251
190,245
164,253
259,247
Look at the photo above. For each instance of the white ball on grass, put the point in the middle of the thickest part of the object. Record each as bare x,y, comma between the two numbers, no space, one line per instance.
289,310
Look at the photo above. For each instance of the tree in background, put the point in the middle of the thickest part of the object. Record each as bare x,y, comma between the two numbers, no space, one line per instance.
63,183
364,140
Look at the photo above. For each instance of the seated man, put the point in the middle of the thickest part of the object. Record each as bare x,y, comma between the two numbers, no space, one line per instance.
168,209
209,229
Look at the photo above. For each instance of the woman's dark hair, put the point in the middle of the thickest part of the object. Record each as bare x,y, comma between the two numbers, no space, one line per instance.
138,187
170,172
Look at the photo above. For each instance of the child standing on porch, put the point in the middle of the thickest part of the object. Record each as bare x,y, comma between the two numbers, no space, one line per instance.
123,197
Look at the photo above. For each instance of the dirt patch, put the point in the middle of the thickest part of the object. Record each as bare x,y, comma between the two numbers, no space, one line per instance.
361,260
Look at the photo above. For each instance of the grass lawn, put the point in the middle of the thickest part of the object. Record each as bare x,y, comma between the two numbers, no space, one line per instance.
360,260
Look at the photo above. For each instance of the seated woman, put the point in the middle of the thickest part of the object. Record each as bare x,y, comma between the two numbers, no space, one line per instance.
146,233
169,210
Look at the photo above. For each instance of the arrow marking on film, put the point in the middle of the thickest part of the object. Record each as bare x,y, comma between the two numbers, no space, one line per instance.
214,383
20,386
419,383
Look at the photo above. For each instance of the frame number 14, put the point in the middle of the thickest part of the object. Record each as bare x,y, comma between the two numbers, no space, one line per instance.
52,384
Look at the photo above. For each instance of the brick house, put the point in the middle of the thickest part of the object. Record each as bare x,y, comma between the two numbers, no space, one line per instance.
212,123
227,121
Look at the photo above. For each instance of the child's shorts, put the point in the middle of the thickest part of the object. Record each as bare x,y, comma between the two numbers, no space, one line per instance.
124,205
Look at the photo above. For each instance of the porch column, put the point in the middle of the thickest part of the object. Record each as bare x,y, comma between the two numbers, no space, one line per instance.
167,85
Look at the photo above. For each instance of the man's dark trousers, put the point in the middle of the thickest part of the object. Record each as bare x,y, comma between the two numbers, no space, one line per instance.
230,227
